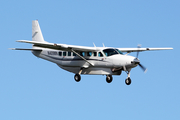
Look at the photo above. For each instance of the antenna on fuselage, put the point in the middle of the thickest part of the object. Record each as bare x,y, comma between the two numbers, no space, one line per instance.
103,45
94,45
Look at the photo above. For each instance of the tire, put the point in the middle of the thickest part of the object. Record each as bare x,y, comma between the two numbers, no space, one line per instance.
128,81
109,78
77,77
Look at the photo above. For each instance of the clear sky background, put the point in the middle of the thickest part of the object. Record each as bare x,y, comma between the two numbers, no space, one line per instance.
35,89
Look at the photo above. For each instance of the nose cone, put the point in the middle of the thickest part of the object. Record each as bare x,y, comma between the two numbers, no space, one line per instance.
135,61
124,60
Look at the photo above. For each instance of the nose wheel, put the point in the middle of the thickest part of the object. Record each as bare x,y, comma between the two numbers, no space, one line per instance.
128,79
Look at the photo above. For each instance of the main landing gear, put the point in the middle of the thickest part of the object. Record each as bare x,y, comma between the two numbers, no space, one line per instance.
128,81
109,78
77,77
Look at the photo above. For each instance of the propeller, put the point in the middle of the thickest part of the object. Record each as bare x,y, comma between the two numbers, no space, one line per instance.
138,62
139,46
143,68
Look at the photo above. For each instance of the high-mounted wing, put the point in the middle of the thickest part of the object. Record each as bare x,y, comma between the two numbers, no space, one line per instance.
64,47
59,46
128,50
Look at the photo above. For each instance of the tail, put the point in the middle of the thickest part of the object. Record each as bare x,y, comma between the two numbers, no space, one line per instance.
36,32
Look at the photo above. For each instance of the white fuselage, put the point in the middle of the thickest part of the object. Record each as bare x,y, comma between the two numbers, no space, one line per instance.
103,65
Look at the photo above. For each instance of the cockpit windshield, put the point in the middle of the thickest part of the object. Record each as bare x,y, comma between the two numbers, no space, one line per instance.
119,51
109,52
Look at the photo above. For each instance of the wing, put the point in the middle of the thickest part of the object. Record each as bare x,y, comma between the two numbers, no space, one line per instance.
141,49
63,47
83,48
60,46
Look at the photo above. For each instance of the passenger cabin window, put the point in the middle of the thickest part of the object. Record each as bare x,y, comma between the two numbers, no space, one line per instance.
89,54
110,52
82,53
64,53
74,54
95,54
60,53
100,54
69,53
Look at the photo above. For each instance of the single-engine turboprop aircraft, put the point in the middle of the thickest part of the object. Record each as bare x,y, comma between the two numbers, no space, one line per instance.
86,60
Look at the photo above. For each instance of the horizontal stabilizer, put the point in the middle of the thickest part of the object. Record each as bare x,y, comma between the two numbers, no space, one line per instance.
25,49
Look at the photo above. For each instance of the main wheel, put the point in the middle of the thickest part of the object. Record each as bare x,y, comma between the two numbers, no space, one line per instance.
77,77
109,78
128,81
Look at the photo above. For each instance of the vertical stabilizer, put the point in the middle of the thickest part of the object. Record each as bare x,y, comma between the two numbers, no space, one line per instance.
36,32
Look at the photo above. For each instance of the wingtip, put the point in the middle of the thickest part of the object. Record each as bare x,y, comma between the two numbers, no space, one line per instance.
19,40
12,48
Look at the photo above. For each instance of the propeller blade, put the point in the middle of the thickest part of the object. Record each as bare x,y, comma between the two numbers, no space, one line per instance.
143,68
136,61
139,46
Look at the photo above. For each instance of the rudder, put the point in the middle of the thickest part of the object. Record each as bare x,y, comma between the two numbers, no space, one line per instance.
36,32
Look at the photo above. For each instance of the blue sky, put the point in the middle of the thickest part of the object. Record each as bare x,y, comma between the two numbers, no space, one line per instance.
34,89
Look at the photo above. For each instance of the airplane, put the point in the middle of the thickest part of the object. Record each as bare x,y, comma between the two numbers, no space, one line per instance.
86,60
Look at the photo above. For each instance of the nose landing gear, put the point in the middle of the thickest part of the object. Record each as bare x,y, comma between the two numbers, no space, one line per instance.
128,79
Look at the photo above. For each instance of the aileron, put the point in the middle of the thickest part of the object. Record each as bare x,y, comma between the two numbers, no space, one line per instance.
141,49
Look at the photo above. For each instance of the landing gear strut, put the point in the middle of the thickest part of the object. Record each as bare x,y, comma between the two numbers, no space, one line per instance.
109,78
128,79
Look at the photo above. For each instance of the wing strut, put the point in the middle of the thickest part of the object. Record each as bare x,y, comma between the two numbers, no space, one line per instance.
82,57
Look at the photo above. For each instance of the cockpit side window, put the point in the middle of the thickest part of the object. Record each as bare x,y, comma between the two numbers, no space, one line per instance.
110,52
